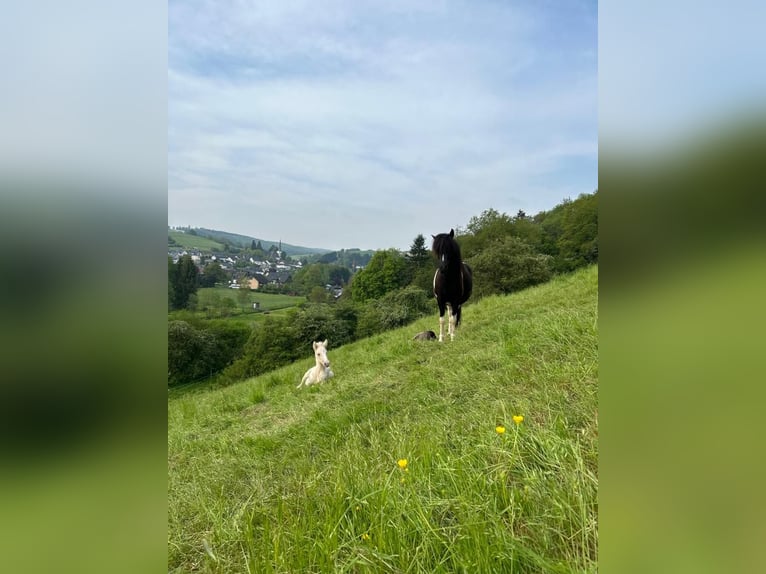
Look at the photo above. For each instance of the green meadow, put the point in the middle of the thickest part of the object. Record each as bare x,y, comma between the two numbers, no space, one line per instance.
189,241
268,301
239,311
266,478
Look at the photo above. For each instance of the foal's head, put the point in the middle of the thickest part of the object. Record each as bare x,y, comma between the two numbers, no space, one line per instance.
320,352
446,249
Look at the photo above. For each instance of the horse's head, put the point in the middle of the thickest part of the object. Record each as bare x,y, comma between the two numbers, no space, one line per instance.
320,352
445,249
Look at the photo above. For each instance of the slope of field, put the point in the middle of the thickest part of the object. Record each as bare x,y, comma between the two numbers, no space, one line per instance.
266,478
188,241
246,240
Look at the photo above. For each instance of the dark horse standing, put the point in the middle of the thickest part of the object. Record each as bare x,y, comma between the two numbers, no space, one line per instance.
452,281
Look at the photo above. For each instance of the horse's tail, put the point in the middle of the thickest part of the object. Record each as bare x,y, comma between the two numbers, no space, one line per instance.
457,315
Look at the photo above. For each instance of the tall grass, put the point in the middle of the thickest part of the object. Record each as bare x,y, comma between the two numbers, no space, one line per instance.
266,478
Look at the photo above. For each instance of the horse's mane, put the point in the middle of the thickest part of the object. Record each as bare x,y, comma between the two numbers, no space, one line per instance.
444,244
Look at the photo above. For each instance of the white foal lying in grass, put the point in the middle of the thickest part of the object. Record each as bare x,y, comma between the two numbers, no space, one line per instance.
321,371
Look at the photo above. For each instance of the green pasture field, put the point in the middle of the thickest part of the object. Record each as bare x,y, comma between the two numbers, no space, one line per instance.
274,304
188,241
413,458
268,301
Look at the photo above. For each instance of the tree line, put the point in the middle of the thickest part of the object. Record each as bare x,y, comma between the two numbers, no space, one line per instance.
506,252
184,279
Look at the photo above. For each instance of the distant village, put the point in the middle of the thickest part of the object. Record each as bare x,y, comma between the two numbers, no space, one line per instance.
276,268
275,271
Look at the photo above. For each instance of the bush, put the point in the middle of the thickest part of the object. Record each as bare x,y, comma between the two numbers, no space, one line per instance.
394,309
423,278
386,272
317,322
272,344
196,353
369,320
508,264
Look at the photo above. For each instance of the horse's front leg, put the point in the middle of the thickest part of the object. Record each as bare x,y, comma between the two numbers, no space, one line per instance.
441,321
451,324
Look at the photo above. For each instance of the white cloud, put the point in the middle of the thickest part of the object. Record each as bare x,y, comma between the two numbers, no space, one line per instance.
363,129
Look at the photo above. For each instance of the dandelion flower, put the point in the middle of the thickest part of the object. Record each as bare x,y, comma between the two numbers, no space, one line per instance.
500,429
518,418
402,462
365,536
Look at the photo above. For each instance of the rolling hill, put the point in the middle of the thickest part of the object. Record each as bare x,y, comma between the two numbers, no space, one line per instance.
188,241
414,458
246,240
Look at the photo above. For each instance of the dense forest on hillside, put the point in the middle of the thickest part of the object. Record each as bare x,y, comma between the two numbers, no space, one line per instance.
507,253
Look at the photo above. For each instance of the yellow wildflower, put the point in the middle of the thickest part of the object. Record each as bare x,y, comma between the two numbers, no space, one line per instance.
500,429
518,418
365,536
402,462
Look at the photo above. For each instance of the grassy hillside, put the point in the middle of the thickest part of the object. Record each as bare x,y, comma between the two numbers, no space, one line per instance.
188,241
266,478
246,240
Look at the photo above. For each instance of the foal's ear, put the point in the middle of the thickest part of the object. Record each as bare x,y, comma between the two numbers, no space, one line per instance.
434,236
452,233
314,345
325,343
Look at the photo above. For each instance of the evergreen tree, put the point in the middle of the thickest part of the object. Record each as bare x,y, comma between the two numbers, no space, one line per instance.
418,254
421,265
172,281
186,281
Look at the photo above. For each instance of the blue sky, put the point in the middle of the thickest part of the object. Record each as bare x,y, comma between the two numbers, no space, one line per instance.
362,124
669,71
